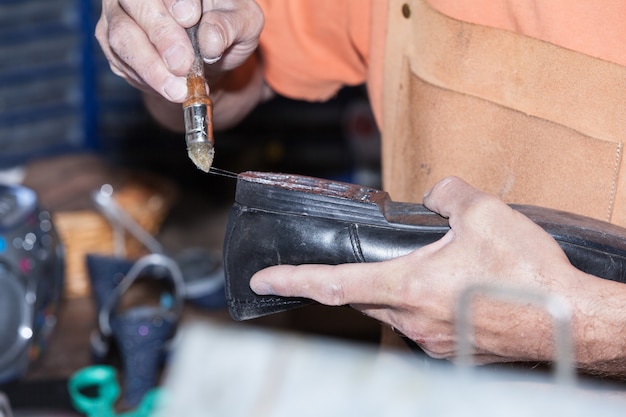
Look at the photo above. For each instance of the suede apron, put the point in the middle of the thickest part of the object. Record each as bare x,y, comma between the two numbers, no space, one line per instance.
526,120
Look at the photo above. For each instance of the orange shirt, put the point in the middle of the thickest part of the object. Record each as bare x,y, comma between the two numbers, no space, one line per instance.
312,48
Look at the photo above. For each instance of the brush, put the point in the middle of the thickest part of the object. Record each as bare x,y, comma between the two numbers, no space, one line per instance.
198,112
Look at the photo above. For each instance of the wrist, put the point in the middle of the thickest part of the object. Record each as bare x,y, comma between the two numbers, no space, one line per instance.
598,322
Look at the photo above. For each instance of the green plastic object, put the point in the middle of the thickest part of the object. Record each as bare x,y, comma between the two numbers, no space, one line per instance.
94,391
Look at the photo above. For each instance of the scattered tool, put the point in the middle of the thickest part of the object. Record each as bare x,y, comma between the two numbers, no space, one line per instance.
198,111
94,391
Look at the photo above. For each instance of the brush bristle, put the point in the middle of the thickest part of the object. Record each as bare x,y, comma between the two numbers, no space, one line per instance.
201,155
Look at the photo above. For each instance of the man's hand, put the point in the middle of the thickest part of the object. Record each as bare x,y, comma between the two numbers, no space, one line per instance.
146,43
489,243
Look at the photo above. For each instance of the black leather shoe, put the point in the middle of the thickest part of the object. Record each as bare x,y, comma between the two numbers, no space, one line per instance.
290,219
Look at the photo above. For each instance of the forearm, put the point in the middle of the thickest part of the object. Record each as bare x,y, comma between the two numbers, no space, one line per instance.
234,95
520,332
599,321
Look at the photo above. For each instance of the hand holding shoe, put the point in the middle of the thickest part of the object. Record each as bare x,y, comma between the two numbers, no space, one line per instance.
417,293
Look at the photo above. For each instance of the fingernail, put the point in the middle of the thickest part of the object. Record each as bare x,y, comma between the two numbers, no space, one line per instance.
428,192
183,10
215,42
175,56
175,88
440,184
261,288
212,60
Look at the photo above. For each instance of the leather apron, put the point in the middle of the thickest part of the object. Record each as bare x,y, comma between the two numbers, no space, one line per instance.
526,120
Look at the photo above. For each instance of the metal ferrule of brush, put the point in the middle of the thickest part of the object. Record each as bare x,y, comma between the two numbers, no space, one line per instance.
196,124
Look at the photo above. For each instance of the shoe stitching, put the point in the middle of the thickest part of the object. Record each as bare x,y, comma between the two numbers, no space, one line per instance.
618,159
353,231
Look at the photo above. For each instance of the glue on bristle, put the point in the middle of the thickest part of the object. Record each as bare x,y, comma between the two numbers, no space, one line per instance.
201,154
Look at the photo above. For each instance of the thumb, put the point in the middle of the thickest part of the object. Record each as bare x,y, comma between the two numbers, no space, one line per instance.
232,33
452,196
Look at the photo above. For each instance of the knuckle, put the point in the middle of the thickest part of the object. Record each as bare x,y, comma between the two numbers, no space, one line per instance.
117,38
258,19
243,24
334,294
161,33
101,31
152,76
481,209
